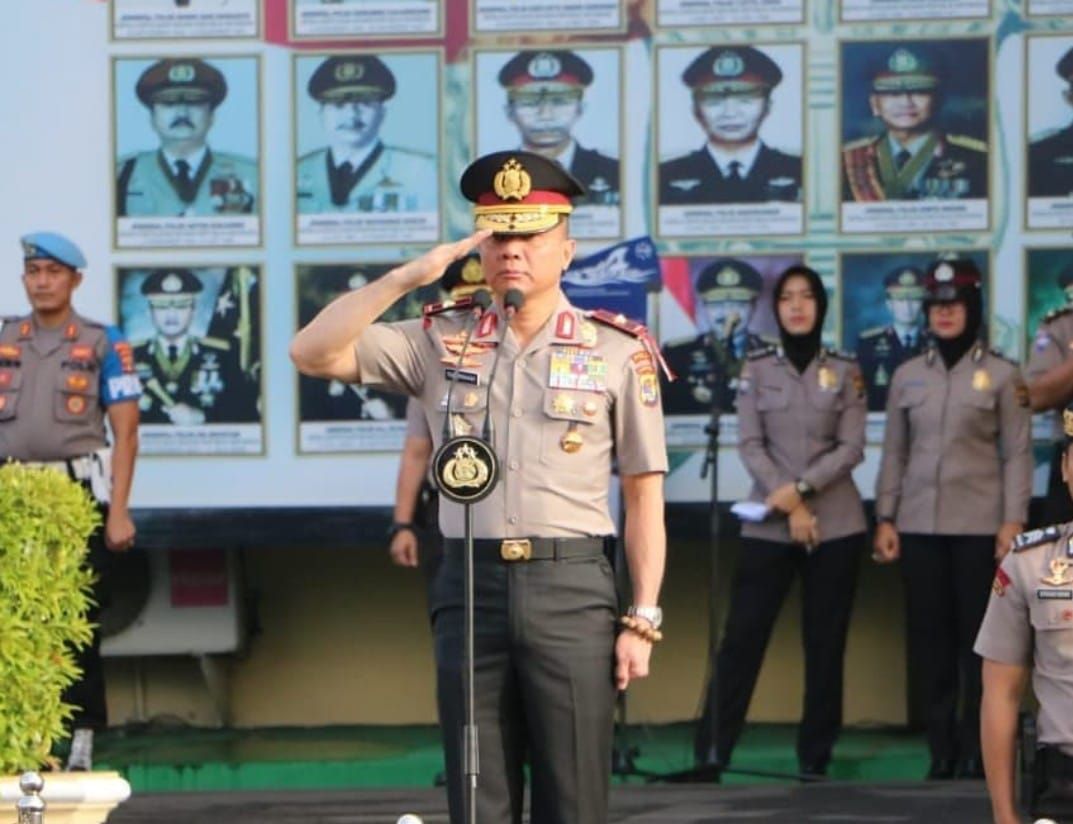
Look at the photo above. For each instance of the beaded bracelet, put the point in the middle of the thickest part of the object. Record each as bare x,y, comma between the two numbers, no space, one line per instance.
642,628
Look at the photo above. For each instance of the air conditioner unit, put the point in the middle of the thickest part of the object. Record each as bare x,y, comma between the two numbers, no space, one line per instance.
174,602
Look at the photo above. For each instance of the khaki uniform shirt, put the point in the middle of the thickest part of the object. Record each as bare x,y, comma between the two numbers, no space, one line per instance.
1029,622
56,384
957,452
416,423
1052,345
575,375
803,426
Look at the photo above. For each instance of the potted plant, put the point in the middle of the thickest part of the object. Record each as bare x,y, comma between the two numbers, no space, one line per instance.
45,522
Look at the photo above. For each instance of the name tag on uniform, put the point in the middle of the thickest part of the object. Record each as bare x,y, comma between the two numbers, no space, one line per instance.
575,368
1055,594
461,375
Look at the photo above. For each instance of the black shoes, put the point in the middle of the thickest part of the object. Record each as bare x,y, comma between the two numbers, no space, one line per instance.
970,768
942,769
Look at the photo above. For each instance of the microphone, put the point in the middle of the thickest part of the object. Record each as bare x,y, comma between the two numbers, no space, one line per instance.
480,301
730,324
513,301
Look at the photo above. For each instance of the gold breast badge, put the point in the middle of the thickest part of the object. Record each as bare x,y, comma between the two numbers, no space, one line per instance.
827,378
1061,573
981,381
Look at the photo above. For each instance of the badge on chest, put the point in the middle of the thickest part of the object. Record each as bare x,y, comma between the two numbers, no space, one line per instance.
575,368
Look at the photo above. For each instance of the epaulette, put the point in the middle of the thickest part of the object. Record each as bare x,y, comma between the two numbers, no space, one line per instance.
636,329
859,143
403,150
438,308
966,142
1036,537
840,354
873,332
1002,356
761,352
1054,314
216,343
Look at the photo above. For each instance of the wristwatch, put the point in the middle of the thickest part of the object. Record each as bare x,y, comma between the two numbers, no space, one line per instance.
804,489
398,527
654,615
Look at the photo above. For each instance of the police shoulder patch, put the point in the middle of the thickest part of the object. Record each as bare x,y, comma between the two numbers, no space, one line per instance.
216,343
1036,537
439,307
840,354
965,142
875,331
1054,314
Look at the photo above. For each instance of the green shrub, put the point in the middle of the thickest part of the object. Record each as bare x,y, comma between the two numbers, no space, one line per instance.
45,522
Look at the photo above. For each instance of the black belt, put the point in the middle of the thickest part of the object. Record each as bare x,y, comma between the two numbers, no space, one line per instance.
527,549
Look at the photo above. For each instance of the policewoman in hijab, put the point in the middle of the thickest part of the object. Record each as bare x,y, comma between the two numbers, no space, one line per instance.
801,416
952,493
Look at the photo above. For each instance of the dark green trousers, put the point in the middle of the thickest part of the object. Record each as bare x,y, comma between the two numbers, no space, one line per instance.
544,688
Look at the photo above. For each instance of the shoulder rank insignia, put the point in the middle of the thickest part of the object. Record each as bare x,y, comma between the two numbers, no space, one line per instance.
1054,314
637,330
761,352
1036,537
873,332
438,308
966,142
840,354
1002,356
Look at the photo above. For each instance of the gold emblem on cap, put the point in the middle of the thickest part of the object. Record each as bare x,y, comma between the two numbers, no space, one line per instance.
172,284
465,469
981,381
563,404
903,60
472,272
827,378
182,73
512,182
545,66
571,442
907,278
1067,423
348,70
945,273
728,277
728,64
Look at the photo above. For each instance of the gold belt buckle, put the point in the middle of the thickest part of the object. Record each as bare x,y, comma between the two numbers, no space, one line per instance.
516,549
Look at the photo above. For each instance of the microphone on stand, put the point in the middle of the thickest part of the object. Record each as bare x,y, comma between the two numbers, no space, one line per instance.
480,301
513,301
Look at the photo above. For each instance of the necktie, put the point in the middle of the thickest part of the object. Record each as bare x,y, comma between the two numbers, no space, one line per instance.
735,171
183,182
901,159
173,352
341,181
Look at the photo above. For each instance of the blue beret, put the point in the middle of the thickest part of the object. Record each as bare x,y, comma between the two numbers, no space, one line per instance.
56,247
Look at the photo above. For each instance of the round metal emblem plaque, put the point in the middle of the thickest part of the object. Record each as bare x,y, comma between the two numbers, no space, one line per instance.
465,469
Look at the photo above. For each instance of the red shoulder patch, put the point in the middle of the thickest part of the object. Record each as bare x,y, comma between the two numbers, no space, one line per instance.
638,330
1001,582
430,309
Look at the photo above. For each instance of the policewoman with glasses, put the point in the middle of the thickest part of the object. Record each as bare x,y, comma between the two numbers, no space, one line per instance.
952,493
801,417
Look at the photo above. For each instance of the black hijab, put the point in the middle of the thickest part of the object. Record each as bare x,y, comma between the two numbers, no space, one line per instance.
801,349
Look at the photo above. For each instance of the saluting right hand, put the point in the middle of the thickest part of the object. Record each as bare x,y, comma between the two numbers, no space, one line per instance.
886,546
429,267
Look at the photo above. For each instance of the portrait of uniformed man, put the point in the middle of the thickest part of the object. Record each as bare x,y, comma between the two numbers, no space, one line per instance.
545,99
184,176
731,90
707,365
1050,155
189,379
356,171
907,153
881,349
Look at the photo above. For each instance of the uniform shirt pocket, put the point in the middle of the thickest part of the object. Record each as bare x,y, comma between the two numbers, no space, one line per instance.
10,381
468,406
75,396
568,415
771,398
1051,608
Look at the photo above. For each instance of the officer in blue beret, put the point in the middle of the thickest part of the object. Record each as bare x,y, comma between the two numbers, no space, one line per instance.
912,159
189,379
731,88
62,377
881,349
357,171
708,364
545,100
184,177
1050,156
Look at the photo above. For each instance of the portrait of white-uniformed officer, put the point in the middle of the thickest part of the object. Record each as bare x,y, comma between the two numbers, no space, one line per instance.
1050,152
546,92
922,109
190,378
731,91
354,169
185,176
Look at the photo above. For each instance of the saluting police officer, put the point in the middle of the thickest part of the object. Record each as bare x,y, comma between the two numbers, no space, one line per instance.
801,416
707,365
912,159
61,376
545,91
881,350
574,391
1050,388
1029,627
1050,158
951,494
184,177
189,379
731,88
357,171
